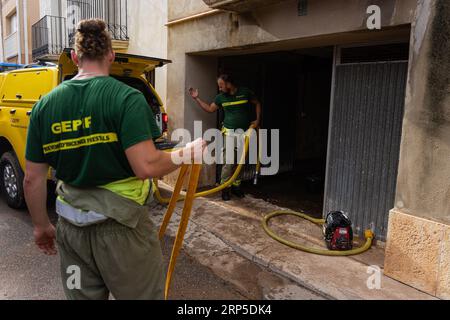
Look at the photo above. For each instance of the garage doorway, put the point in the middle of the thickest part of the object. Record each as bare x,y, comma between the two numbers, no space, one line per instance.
295,90
365,133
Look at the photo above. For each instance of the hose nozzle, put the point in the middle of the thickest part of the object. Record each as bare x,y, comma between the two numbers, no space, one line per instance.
369,234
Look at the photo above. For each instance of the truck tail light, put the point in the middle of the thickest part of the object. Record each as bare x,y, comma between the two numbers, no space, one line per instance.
165,122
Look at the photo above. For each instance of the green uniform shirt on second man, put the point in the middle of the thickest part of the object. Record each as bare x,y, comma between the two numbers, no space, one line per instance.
237,108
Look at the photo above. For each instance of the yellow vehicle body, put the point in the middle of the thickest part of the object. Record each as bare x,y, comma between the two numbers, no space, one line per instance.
21,89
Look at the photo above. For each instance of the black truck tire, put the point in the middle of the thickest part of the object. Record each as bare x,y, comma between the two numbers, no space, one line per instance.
11,181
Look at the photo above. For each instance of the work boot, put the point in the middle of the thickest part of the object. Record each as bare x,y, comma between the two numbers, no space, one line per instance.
237,191
226,194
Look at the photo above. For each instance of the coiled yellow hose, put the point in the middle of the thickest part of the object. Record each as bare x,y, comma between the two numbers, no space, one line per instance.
191,195
369,235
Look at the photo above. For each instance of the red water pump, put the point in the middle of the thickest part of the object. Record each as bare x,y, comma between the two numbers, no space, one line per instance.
338,231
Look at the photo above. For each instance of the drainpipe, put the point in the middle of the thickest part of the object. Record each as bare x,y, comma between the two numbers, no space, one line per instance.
25,27
19,38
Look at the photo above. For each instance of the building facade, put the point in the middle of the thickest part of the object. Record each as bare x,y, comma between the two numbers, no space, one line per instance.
137,27
364,108
58,20
35,30
16,21
371,105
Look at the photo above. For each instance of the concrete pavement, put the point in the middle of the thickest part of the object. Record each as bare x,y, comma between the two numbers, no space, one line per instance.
226,255
248,277
26,274
218,230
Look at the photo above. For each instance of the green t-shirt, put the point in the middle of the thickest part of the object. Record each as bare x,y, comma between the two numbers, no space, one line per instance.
83,127
238,108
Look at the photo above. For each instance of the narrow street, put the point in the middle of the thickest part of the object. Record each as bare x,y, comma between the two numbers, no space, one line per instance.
310,141
27,274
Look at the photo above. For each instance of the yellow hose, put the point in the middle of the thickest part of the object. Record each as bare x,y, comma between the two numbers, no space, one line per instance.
223,186
191,195
368,235
189,199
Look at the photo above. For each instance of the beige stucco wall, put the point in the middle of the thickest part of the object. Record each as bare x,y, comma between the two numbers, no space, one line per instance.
273,28
417,246
281,22
148,35
179,9
424,172
417,250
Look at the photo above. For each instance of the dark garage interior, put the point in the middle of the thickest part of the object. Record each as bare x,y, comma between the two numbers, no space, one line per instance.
294,88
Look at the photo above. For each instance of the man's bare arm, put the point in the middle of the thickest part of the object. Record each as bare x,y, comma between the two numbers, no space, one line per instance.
35,188
211,108
149,162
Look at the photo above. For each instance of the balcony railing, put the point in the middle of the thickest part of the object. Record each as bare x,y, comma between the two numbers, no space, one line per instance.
11,46
49,36
113,12
52,34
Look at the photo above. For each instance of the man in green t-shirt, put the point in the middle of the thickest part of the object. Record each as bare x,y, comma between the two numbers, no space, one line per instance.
97,133
238,105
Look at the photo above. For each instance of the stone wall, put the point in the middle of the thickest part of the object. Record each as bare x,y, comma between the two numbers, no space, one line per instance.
417,250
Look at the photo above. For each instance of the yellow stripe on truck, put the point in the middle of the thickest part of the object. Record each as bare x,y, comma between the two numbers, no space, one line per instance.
80,142
235,103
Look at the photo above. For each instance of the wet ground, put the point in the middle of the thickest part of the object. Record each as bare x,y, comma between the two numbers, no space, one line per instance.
293,190
27,274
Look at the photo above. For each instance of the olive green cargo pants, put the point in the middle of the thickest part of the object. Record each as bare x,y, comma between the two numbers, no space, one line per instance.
228,169
112,259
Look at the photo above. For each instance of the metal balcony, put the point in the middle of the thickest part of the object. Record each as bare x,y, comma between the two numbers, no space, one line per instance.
240,5
52,34
49,37
113,12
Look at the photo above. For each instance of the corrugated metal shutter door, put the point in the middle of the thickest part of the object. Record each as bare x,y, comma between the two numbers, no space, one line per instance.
364,142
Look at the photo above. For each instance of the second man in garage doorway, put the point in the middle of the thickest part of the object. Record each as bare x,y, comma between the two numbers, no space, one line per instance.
237,103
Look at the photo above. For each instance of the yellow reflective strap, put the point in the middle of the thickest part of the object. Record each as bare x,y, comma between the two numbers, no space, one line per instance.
80,142
237,183
234,103
62,200
228,132
132,188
